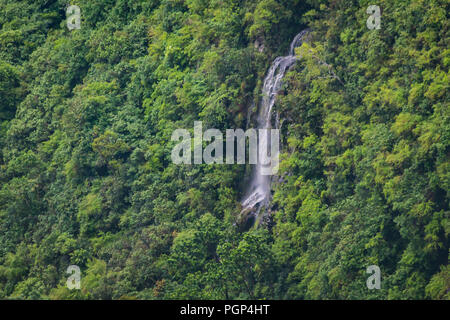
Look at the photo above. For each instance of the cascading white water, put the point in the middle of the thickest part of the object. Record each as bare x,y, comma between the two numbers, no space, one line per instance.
258,193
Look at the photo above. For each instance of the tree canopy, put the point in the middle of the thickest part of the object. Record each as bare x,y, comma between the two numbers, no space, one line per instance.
86,178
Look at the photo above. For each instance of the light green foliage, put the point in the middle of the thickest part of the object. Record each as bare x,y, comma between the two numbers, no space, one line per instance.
371,108
86,178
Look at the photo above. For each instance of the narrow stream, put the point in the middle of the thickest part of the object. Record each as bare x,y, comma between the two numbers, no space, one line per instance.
258,193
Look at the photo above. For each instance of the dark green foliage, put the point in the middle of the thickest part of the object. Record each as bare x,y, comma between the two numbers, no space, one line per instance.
86,177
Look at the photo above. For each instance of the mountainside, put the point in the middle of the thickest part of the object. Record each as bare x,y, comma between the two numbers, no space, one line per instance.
86,176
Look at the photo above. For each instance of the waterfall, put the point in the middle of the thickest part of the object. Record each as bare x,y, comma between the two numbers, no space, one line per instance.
258,192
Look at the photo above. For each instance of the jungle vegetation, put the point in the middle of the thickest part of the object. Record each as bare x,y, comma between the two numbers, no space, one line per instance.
86,179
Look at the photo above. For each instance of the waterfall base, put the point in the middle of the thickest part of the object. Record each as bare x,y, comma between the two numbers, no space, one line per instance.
258,194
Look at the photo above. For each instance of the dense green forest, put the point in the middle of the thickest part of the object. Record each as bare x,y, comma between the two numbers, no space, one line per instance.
86,178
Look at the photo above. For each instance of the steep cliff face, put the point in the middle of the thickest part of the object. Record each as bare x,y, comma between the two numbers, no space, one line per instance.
86,175
365,168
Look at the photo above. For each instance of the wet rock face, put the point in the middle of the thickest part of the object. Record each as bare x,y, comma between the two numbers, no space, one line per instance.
259,45
258,194
258,216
